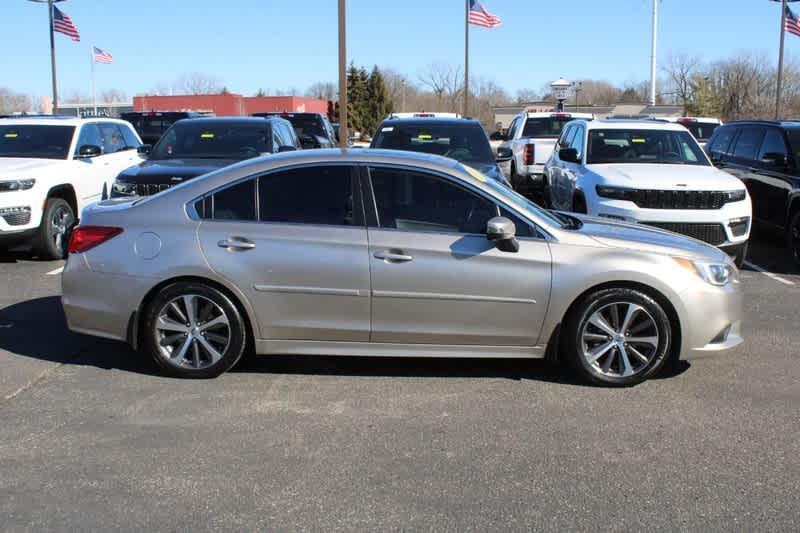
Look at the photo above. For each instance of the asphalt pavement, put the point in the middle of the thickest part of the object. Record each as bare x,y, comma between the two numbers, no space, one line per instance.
93,438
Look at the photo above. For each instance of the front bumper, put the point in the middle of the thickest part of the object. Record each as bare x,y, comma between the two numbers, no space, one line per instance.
19,212
712,319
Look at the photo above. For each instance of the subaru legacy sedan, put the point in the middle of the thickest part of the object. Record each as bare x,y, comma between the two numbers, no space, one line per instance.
385,253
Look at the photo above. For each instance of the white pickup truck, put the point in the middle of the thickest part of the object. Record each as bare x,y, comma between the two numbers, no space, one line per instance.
531,138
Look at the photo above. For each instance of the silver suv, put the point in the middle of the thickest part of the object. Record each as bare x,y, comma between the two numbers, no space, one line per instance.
383,253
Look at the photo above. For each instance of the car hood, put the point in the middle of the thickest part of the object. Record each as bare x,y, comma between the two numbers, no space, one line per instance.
22,167
171,171
665,177
645,239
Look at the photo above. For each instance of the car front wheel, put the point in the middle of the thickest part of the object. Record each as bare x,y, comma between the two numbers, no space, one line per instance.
193,330
54,231
617,337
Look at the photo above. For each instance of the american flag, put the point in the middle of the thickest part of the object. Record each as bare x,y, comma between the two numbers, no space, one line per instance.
792,24
63,24
480,17
101,56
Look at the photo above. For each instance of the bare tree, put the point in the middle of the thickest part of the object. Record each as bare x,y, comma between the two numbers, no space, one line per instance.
111,96
525,96
198,83
13,102
322,91
447,84
76,97
681,69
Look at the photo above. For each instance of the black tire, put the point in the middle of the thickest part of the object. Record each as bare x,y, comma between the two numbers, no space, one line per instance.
52,237
794,238
180,366
577,328
579,204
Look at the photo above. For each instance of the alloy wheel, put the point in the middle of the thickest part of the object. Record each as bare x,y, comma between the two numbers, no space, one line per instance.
619,339
61,222
192,332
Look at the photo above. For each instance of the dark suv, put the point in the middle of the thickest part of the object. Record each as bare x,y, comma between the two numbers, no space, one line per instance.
196,146
462,139
150,125
314,129
764,155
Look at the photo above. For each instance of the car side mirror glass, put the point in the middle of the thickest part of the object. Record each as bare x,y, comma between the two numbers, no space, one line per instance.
774,159
88,151
503,232
145,149
286,148
504,154
570,155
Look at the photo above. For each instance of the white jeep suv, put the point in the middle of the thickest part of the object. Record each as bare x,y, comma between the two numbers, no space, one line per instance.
650,173
50,168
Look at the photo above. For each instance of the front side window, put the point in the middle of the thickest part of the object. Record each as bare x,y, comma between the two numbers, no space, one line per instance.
130,138
722,141
112,139
566,137
577,140
308,195
748,142
644,146
209,140
90,135
413,201
35,141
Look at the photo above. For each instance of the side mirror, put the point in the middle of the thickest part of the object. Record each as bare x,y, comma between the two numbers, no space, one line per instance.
88,151
774,159
286,148
504,154
570,155
145,149
503,232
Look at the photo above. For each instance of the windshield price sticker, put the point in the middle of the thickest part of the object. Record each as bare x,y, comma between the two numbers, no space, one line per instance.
638,140
11,135
207,135
387,129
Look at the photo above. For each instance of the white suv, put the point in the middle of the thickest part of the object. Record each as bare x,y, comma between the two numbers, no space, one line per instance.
652,173
50,168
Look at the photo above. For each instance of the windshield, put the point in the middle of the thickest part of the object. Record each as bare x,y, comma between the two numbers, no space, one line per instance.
306,125
35,141
463,142
547,127
197,140
509,194
701,130
644,146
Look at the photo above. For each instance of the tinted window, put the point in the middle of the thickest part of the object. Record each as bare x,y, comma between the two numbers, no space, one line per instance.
203,139
644,146
130,138
748,142
236,203
577,140
90,134
308,195
44,142
722,141
544,127
111,137
773,143
412,201
465,142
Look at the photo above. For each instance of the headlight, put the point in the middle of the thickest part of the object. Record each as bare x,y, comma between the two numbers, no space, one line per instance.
615,193
16,185
120,187
735,196
718,274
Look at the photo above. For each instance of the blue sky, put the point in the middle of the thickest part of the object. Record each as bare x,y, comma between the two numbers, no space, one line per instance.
248,44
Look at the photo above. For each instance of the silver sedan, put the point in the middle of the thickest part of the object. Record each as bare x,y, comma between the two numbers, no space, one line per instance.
385,253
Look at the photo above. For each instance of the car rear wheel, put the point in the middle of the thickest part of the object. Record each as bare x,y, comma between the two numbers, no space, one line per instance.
794,238
53,236
193,331
617,337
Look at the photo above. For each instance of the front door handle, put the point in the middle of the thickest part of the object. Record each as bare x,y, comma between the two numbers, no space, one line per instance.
237,243
393,257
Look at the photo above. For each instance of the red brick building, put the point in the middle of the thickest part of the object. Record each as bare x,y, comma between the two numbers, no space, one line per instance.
229,104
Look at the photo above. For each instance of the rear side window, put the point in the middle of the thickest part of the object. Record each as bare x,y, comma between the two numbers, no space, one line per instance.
308,195
722,141
748,142
235,203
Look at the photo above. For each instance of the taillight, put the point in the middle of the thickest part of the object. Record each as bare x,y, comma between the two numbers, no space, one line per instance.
85,238
528,155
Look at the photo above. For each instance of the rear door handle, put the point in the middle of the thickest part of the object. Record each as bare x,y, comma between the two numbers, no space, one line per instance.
392,257
236,243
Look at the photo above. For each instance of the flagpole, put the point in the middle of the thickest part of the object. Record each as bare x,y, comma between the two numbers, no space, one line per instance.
53,57
94,94
780,62
466,59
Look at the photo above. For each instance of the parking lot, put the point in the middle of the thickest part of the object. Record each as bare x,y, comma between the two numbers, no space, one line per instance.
94,438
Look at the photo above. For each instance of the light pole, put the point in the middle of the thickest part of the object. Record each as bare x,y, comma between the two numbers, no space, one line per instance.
52,50
560,91
343,134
